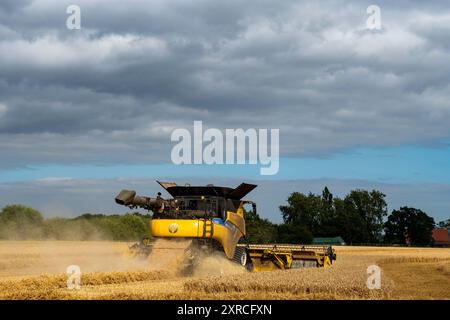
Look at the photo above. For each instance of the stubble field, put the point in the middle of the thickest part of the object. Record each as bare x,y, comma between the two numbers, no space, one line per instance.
37,270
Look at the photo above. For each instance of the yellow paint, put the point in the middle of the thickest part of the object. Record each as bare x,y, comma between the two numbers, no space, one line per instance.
237,220
186,228
194,228
228,236
326,262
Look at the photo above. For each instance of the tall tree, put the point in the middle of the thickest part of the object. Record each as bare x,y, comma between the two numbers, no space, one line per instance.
302,210
327,226
349,223
368,209
409,226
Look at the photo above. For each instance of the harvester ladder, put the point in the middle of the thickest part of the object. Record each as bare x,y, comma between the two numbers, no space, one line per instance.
208,228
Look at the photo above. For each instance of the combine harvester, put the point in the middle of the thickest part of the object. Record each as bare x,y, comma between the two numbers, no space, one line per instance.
200,220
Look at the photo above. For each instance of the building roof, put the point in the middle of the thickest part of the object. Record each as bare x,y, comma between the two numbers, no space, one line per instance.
333,240
441,235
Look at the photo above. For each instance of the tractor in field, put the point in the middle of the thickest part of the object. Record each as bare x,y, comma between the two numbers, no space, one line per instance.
202,219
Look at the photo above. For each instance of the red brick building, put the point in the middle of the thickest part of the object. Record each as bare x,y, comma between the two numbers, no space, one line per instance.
441,237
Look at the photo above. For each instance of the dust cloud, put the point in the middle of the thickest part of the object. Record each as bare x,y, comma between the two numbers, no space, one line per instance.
23,258
176,255
169,255
216,264
26,258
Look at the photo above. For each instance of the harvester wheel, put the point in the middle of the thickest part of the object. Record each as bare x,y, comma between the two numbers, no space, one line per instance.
244,258
241,257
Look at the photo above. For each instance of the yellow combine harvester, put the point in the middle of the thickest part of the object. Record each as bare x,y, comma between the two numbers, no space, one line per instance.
210,218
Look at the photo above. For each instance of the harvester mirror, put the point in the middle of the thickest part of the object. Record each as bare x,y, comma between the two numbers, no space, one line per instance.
255,213
125,197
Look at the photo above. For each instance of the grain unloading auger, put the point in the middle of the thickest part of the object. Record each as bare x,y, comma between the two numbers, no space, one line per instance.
209,218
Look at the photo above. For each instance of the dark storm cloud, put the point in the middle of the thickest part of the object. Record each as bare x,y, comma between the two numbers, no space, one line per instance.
139,69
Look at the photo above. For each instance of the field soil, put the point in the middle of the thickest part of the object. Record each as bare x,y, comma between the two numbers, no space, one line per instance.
37,270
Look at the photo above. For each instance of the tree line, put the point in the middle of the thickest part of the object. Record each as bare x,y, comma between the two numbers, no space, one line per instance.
361,217
18,222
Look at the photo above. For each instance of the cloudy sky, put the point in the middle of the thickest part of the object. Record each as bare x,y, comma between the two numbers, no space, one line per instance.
84,113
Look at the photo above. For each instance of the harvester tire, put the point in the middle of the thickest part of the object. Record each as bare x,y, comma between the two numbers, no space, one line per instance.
241,256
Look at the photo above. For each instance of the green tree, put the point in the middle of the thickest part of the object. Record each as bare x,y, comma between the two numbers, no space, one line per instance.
259,230
120,227
444,224
294,233
409,226
302,210
350,225
358,218
20,222
326,226
364,213
128,227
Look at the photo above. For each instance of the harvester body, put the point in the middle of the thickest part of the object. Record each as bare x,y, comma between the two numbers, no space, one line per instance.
213,217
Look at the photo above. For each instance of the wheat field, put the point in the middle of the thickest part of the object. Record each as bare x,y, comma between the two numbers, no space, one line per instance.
37,270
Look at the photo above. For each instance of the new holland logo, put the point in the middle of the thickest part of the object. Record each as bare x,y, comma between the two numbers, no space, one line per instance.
173,228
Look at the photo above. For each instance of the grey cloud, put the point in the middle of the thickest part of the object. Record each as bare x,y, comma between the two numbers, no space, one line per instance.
135,71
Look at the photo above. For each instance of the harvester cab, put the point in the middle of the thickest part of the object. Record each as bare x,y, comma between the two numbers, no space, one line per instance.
212,218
